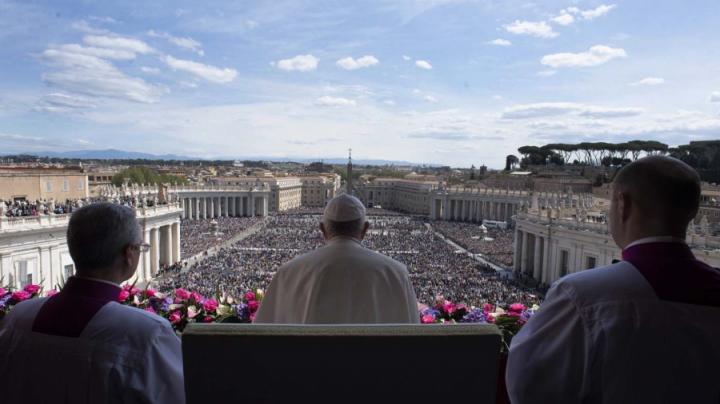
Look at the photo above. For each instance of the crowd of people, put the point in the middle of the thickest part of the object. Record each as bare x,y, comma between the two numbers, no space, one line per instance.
495,245
24,207
435,267
197,236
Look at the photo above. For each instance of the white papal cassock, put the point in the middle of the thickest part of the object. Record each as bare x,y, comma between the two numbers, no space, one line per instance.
340,283
644,330
121,355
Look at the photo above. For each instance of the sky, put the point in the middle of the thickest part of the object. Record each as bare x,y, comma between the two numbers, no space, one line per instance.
434,81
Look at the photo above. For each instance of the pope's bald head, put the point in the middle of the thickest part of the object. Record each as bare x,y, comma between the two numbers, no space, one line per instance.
662,188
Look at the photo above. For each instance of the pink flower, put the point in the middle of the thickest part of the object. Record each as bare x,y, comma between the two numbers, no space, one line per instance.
252,317
182,294
249,296
2,292
20,295
134,291
517,308
427,319
490,318
210,305
150,292
192,312
488,308
32,289
253,305
207,319
124,294
175,317
49,293
448,307
197,296
150,309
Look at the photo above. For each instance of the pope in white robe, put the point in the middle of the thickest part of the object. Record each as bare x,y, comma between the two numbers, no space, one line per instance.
342,282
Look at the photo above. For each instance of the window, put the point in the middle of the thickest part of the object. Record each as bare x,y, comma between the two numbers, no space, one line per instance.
564,260
48,186
66,185
24,276
591,262
68,270
81,185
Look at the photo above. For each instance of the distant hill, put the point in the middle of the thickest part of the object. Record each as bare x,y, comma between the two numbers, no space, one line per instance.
114,154
108,154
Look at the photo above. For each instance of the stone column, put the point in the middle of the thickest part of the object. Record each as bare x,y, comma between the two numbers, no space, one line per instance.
545,259
145,269
231,207
517,253
212,207
176,242
154,251
168,244
523,252
251,208
265,206
463,209
446,209
242,206
227,207
433,205
204,208
536,258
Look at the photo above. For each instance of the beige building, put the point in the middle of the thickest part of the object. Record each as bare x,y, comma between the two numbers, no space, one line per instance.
317,190
24,183
404,195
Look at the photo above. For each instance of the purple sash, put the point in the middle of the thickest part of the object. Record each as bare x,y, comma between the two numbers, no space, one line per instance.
68,312
675,274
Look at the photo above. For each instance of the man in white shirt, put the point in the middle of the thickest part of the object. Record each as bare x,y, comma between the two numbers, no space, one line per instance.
81,345
643,330
342,282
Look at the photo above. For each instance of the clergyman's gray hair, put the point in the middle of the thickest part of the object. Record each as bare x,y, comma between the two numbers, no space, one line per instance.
352,228
98,234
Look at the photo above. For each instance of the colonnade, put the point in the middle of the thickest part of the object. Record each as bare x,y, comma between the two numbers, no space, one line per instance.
164,240
212,205
532,255
473,209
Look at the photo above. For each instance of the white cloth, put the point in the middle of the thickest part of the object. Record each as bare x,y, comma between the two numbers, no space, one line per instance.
603,336
656,239
124,355
340,283
344,208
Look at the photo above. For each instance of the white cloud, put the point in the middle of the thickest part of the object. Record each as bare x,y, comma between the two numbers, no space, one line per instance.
497,97
83,26
406,57
648,81
207,72
119,43
182,42
524,111
105,53
539,29
430,98
150,70
563,19
546,73
597,12
349,63
499,42
328,101
301,63
108,20
715,96
90,75
423,64
596,55
64,103
250,24
389,102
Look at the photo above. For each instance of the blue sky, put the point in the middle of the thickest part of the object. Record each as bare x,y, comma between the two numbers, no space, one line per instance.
451,82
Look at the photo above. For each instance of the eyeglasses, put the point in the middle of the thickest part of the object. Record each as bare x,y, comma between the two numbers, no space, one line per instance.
142,247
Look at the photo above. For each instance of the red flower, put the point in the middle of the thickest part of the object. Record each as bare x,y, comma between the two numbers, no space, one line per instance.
150,292
488,308
197,297
182,294
49,293
517,308
124,294
19,296
253,306
207,319
175,317
2,292
427,319
249,296
32,289
210,305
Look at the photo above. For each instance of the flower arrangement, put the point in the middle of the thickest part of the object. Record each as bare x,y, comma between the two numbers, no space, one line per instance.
509,320
181,307
10,297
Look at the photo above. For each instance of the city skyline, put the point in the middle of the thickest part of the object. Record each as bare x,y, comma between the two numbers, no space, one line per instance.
437,82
